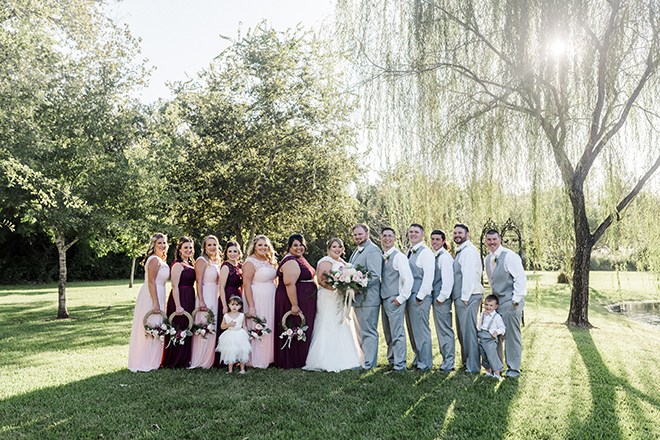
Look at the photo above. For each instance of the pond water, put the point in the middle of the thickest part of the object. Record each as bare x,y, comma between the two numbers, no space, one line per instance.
644,311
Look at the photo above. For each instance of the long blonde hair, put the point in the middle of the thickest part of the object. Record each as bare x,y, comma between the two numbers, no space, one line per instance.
207,257
152,246
270,253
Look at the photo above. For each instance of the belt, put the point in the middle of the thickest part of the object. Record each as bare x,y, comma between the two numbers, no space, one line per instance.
305,281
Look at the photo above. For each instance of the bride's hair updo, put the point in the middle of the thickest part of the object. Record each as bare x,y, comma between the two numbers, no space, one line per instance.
334,240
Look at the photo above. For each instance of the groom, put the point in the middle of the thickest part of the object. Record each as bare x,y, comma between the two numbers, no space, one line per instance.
367,304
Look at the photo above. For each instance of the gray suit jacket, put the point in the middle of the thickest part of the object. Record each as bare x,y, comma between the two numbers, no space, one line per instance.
371,258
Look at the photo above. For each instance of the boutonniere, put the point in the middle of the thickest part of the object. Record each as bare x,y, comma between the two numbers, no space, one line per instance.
360,249
496,258
458,251
386,257
414,251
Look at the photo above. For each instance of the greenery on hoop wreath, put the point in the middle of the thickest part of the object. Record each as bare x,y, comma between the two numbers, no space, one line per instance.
179,336
295,332
204,328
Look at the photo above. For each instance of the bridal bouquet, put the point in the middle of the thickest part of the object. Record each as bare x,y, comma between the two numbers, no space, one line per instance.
260,329
347,281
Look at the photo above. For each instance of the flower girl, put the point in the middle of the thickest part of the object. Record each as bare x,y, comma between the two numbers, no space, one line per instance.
234,345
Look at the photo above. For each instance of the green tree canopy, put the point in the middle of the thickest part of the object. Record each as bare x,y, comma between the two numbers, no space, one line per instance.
524,93
270,147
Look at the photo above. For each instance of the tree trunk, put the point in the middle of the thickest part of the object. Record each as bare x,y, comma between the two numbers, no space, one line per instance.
62,247
239,237
578,314
130,282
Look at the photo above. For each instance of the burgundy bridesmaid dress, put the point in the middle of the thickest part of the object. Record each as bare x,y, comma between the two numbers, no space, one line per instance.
296,355
233,287
178,356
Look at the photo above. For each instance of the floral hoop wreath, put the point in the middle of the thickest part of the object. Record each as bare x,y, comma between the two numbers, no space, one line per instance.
187,315
303,321
158,331
204,328
260,327
295,332
151,312
210,316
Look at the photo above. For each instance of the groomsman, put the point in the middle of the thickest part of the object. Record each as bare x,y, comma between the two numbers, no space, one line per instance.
508,282
395,284
418,307
443,282
466,294
367,304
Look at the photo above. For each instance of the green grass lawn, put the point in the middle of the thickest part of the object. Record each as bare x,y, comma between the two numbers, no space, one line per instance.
68,379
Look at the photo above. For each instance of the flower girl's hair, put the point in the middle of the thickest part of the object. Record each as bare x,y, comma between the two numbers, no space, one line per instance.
236,299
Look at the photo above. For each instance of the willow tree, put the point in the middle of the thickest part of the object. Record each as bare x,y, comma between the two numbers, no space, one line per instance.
511,87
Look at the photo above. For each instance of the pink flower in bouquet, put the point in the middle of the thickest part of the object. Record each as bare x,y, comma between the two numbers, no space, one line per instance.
289,332
258,326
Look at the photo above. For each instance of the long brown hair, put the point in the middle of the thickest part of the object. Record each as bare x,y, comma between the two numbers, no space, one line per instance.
177,253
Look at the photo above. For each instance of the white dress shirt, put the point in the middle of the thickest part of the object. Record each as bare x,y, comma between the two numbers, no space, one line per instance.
446,265
470,260
514,267
426,262
497,324
400,264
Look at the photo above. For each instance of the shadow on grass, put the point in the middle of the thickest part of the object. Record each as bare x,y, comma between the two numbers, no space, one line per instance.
209,404
90,327
609,394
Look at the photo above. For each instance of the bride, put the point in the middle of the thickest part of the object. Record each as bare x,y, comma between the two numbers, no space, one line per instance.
334,345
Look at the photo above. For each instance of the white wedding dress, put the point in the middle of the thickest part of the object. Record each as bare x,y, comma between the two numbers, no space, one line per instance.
334,345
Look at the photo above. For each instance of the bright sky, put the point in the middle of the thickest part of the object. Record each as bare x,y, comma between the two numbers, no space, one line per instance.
181,37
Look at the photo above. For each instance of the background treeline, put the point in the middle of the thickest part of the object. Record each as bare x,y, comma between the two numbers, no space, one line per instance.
265,140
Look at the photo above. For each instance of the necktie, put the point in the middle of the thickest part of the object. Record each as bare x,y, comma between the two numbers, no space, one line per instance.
409,253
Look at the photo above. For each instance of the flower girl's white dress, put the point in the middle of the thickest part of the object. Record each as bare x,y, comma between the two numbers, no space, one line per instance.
334,344
234,343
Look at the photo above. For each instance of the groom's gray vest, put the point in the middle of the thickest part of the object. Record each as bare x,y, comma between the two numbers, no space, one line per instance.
389,280
370,258
418,272
501,281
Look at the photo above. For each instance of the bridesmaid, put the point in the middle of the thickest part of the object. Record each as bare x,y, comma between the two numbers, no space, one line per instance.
296,292
259,289
231,275
207,269
231,281
182,298
145,352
